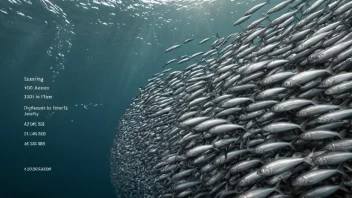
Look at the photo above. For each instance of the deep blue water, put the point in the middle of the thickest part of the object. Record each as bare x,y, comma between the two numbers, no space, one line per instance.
94,57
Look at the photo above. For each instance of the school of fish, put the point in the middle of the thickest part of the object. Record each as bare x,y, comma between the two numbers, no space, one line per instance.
267,112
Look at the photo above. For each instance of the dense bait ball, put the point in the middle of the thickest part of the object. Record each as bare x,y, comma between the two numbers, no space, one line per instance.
267,112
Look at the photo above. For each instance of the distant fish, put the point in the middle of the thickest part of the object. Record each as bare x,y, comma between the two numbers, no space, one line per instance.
172,48
184,60
204,40
169,62
182,57
196,54
188,40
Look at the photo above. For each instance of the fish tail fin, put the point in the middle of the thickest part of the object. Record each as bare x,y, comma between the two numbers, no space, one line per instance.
349,168
277,187
247,147
330,69
242,144
300,9
343,187
345,104
214,146
342,134
341,170
315,100
292,144
309,158
216,149
303,126
252,97
230,119
277,156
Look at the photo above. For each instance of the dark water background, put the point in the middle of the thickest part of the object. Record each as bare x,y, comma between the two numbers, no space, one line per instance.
94,55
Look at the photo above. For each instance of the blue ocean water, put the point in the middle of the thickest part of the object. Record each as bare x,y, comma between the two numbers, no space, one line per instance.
94,55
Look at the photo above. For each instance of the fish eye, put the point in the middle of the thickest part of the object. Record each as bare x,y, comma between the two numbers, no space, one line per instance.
267,171
326,119
299,181
243,182
330,147
305,135
264,171
320,161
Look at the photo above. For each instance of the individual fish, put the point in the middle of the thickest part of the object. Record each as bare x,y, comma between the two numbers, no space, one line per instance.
204,40
340,88
206,125
279,127
304,77
271,146
334,116
321,134
280,6
291,104
172,48
241,20
315,176
170,61
260,192
244,165
255,8
315,5
316,110
323,191
198,150
339,145
281,165
332,158
188,40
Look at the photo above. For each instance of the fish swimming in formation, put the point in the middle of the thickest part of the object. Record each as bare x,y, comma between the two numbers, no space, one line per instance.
266,112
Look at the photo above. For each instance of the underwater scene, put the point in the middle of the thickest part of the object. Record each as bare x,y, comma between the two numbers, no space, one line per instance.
176,98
